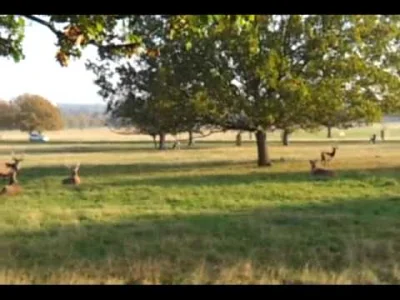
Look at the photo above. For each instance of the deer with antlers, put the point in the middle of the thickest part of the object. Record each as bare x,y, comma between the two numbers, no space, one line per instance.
328,156
8,168
319,171
13,187
74,178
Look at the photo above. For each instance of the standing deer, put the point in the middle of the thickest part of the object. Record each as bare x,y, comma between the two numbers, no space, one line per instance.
328,156
74,179
320,172
6,169
13,187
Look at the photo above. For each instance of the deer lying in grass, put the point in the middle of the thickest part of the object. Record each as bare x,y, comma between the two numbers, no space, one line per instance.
328,156
320,172
13,187
7,169
74,179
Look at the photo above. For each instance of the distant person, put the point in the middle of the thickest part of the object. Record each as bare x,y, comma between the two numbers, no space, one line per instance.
383,134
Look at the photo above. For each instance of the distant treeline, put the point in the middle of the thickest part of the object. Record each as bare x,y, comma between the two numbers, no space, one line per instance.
82,116
83,120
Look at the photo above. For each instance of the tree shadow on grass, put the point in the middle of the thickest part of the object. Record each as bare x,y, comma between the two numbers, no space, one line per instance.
346,236
138,168
103,148
378,176
386,175
78,149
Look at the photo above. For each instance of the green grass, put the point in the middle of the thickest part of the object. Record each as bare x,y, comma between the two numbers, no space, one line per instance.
207,215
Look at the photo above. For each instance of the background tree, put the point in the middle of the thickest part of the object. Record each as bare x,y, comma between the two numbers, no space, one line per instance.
159,95
35,113
7,115
356,78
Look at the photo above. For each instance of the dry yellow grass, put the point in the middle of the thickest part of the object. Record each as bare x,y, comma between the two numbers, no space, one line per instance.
105,135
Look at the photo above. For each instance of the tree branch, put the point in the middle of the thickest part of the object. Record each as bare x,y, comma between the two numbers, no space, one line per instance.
44,23
127,131
61,35
235,126
204,135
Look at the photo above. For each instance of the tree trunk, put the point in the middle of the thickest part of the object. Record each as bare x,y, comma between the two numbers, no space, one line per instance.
329,132
285,137
154,140
162,141
190,142
383,134
239,139
262,151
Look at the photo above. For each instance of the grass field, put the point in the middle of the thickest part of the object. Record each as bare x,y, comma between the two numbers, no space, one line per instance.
202,215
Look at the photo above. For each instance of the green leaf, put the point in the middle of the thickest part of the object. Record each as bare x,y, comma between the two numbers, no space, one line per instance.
172,34
188,45
134,38
99,27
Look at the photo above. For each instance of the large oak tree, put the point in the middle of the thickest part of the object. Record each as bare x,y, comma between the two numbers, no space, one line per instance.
293,69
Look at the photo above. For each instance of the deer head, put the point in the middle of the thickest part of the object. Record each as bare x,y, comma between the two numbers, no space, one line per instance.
74,169
313,164
17,161
74,178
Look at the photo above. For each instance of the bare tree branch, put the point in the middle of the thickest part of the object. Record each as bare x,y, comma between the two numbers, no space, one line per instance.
204,135
44,23
61,35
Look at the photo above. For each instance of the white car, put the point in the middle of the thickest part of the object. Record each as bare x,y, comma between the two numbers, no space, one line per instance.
37,137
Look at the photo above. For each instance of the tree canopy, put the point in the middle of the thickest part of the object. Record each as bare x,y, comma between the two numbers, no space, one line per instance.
35,113
157,94
7,115
113,35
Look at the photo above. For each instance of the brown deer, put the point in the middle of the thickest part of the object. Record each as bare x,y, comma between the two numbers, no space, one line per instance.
74,179
328,156
13,187
6,169
320,172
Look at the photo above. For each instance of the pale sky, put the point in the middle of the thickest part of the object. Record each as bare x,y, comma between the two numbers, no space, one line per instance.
41,74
